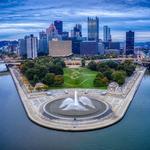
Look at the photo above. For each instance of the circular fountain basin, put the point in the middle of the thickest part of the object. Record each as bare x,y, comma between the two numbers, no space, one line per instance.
52,110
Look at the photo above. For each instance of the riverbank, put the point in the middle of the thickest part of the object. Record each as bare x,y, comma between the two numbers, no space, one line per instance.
33,103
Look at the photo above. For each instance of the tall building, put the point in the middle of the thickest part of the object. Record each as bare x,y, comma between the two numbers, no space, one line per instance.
77,31
59,26
93,29
59,48
43,44
106,34
31,46
129,43
22,47
52,33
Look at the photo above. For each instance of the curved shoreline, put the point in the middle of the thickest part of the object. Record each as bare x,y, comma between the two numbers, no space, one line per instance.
118,111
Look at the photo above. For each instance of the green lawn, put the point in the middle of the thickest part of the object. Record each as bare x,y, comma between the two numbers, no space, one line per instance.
79,78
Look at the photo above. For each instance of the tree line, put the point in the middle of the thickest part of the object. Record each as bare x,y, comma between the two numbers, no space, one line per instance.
111,71
46,70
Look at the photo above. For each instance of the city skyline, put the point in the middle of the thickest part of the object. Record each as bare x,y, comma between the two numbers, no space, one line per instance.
19,18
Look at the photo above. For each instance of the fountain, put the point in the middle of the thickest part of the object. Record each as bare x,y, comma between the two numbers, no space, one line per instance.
75,107
77,103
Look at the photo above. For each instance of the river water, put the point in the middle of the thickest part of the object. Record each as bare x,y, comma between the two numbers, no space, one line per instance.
17,132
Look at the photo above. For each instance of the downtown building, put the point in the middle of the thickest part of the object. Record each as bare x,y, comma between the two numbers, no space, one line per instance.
52,33
106,34
59,26
43,44
89,48
22,48
59,48
76,33
65,35
129,43
93,29
31,46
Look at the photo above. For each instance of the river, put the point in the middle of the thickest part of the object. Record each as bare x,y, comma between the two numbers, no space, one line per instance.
17,132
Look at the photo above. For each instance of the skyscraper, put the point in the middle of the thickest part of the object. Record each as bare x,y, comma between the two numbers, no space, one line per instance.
77,31
22,47
129,43
106,34
31,46
52,33
59,26
93,29
43,44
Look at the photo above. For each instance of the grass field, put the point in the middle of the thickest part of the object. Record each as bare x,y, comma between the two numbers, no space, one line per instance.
79,78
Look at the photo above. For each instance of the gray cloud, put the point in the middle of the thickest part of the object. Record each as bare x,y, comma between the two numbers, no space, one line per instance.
20,17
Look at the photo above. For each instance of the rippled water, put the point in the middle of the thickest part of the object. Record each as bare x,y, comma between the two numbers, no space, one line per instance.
17,132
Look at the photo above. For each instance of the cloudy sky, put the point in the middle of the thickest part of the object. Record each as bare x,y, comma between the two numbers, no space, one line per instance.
22,17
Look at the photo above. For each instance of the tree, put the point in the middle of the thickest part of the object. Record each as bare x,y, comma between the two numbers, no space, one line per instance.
41,71
49,79
100,80
59,62
26,65
119,77
58,80
102,67
83,62
99,75
55,69
130,69
92,65
112,64
30,73
108,74
35,79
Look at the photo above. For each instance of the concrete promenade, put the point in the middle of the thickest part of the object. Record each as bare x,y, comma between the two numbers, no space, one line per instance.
33,103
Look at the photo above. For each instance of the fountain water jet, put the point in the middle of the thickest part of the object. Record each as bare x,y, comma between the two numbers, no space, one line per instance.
78,103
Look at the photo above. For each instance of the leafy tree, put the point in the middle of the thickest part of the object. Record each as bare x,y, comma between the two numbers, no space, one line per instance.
92,65
108,74
30,73
100,80
27,64
41,71
99,75
83,62
102,67
49,79
59,62
58,80
130,69
35,79
112,64
55,69
119,77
